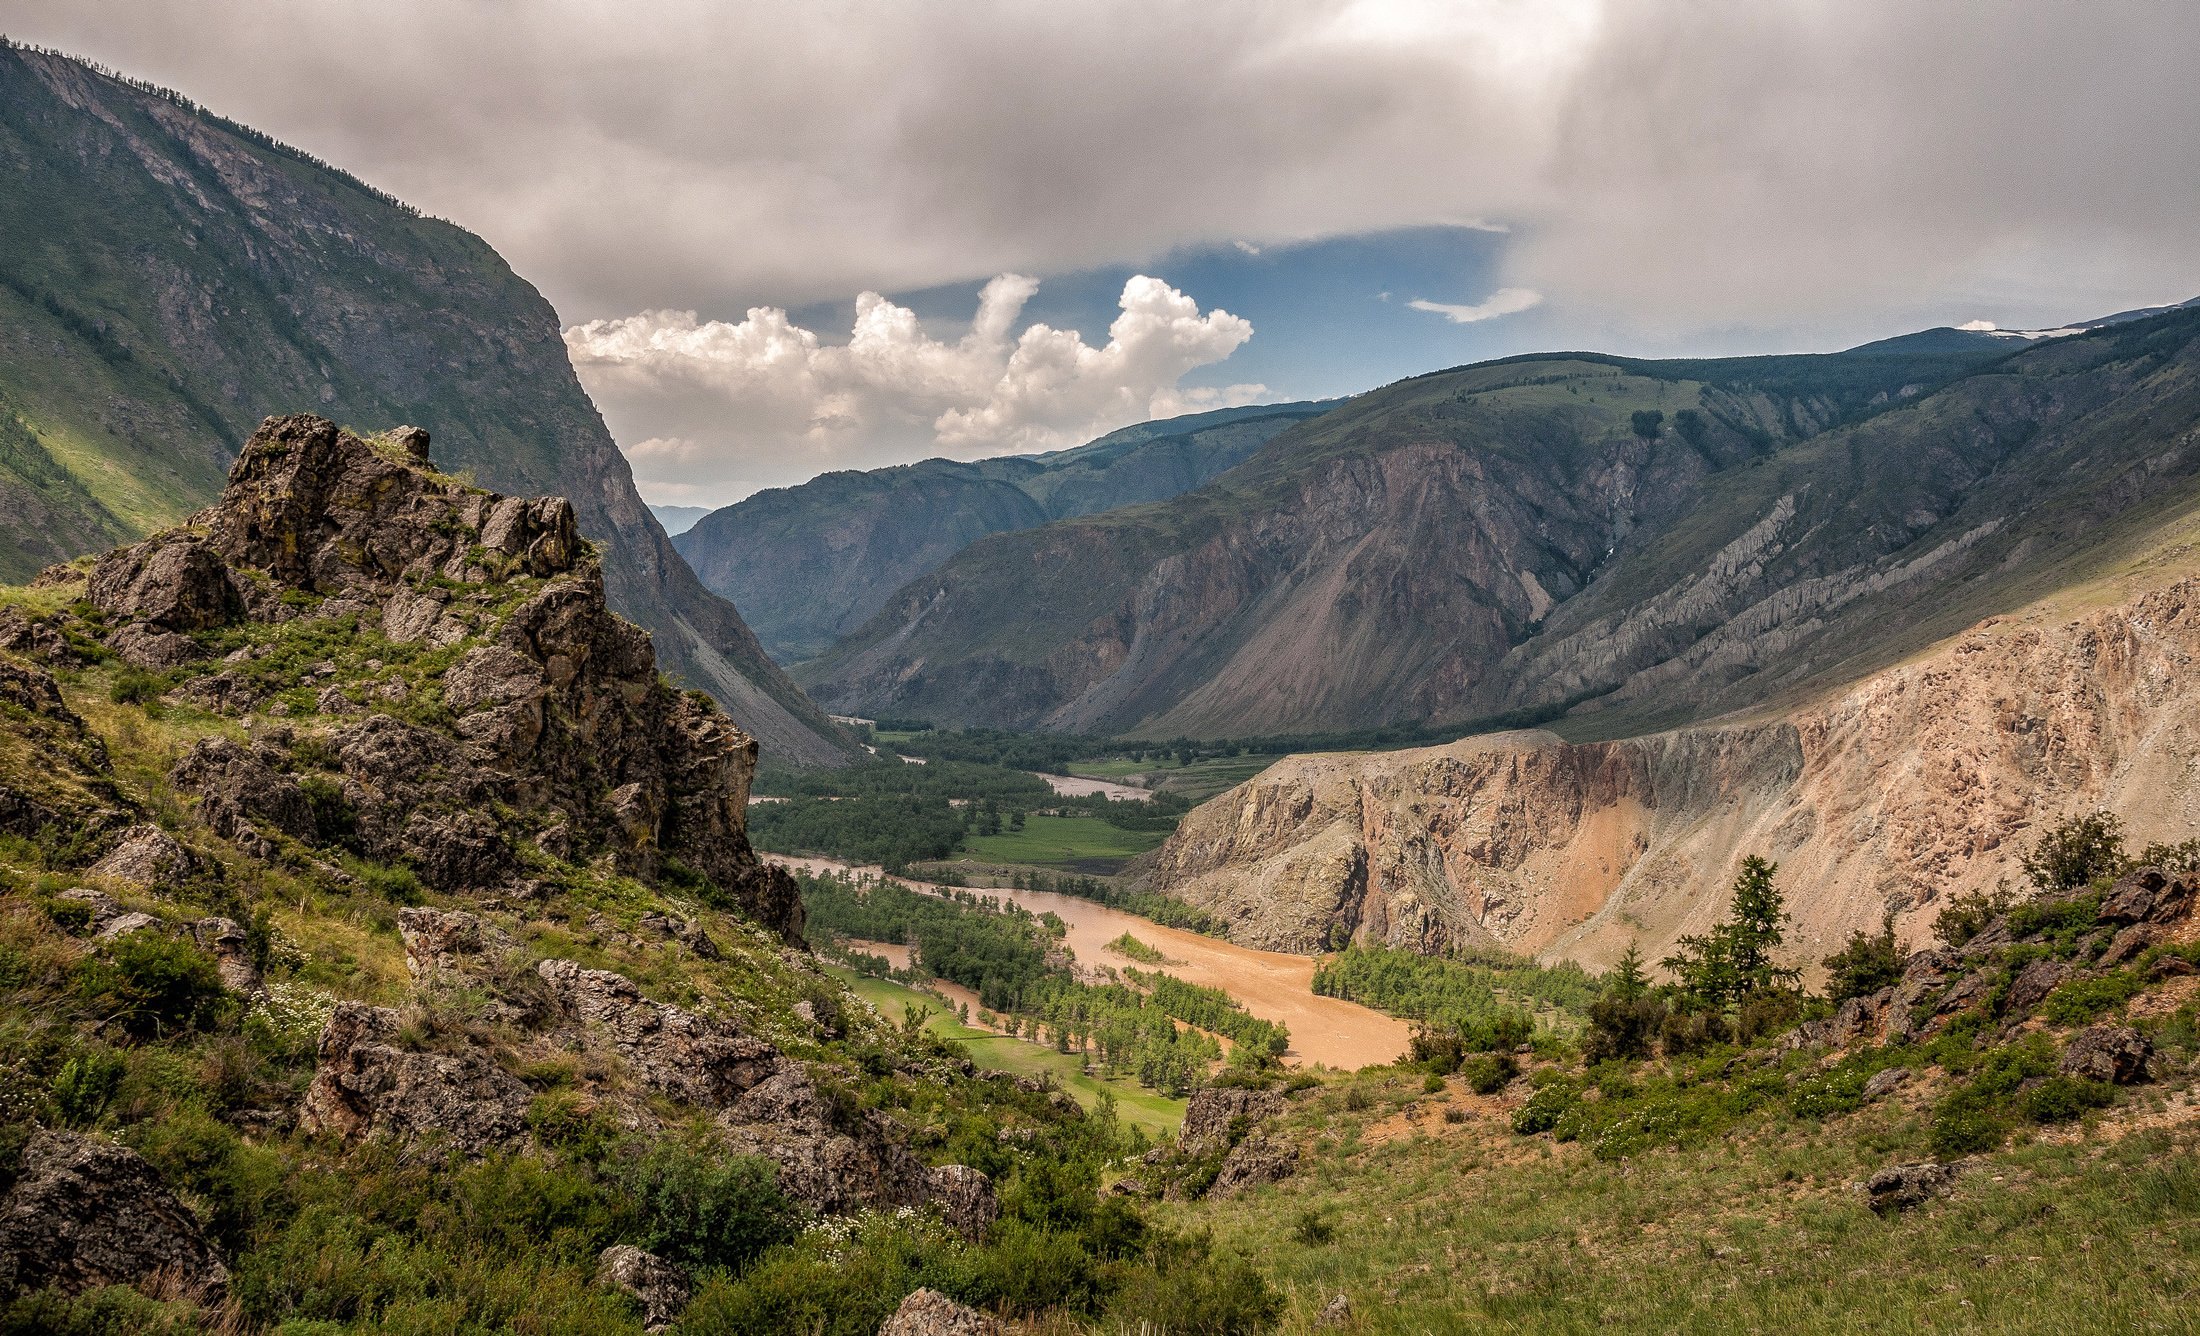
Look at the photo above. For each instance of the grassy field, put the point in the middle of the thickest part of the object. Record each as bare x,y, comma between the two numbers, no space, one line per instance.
1074,843
1463,1227
1137,1107
1198,781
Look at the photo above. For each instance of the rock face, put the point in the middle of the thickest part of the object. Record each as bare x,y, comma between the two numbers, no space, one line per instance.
348,302
1216,1116
931,1313
1253,1162
366,1086
87,1213
1898,1187
555,705
662,1289
146,856
2116,1054
1916,784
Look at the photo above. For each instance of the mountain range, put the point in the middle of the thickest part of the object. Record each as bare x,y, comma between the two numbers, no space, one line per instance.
810,564
168,278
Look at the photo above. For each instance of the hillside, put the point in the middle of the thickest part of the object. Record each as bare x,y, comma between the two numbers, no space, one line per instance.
1385,562
168,278
810,564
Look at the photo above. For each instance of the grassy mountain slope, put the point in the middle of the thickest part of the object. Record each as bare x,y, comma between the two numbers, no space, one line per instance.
168,278
1367,567
809,564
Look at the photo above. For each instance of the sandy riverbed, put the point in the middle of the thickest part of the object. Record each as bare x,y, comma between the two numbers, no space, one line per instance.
1270,984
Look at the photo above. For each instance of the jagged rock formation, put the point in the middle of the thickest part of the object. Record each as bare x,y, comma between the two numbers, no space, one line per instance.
928,1312
809,564
1623,546
1914,785
551,706
87,1213
662,1289
171,277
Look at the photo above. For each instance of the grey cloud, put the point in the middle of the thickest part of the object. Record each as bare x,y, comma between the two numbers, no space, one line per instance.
1674,175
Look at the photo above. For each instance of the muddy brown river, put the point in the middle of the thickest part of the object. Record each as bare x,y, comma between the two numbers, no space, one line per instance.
1269,984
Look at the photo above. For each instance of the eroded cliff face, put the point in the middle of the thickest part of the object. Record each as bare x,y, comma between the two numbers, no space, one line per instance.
1916,784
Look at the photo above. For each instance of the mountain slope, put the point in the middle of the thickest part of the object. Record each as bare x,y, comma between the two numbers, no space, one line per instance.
1369,567
167,279
1888,797
809,564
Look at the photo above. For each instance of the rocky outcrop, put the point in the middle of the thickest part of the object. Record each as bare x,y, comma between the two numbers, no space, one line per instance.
87,1213
661,1289
1253,1162
146,856
930,1313
2116,1054
1899,1187
1917,784
1215,1117
366,1085
238,786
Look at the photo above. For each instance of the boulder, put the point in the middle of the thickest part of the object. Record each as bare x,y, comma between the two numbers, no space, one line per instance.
23,634
87,1213
413,441
174,580
1253,1162
231,947
965,1198
1886,1083
2128,943
1898,1187
365,1087
1336,1313
439,941
2033,983
146,856
152,648
456,851
660,1288
237,785
690,1058
2116,1054
2148,895
931,1313
1216,1117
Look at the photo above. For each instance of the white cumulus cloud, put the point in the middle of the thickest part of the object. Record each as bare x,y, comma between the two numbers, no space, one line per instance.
1504,301
765,398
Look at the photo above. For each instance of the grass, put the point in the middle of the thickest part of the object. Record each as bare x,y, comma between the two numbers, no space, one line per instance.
1471,1229
1198,781
1137,1107
1074,843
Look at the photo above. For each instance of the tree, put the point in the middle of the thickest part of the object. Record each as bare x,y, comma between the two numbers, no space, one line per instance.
1733,962
1867,964
1627,981
1626,1018
2077,852
1692,426
1647,422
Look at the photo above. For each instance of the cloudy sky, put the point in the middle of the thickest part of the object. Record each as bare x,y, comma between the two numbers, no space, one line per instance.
795,237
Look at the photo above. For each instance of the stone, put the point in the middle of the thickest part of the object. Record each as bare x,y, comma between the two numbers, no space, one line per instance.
695,1060
931,1313
2116,1054
409,615
366,1087
456,851
87,1213
22,634
122,925
661,1288
1899,1187
236,786
146,856
1216,1117
2170,967
1253,1162
1886,1083
413,441
231,947
103,907
1335,1313
2127,944
2148,895
152,648
445,941
2032,985
174,580
965,1198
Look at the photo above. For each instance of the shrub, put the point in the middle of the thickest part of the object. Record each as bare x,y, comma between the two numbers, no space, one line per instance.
1357,1099
1432,1084
152,985
1544,1108
334,821
2179,859
1867,964
1967,914
2081,1000
1646,423
1489,1073
85,1085
702,1210
1313,1229
2076,852
1199,1295
1625,1028
1685,1032
135,686
2059,1099
1965,1128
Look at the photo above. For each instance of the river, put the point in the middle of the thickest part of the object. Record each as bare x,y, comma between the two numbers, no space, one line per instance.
1269,984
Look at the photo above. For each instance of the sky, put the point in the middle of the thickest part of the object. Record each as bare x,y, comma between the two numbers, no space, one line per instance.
793,237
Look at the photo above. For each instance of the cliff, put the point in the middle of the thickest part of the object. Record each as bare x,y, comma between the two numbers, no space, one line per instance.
1913,785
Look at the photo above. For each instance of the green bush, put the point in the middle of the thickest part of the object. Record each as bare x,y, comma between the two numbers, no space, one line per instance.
1197,1294
1544,1108
85,1085
1313,1228
1965,915
1867,964
1488,1073
2077,852
154,985
700,1209
2081,1000
2060,1099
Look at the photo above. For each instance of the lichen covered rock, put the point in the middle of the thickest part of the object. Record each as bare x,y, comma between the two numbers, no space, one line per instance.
87,1213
